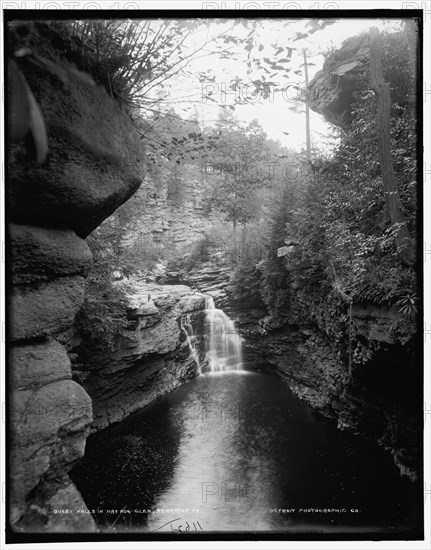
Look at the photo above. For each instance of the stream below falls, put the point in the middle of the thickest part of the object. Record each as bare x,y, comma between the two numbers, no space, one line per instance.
238,451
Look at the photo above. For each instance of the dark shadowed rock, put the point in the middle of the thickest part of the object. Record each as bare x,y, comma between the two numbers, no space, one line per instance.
40,254
330,91
374,322
95,159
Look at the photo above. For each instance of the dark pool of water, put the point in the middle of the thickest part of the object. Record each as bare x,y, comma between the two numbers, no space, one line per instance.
228,452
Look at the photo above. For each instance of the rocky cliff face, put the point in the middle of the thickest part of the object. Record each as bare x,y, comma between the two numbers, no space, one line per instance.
173,215
379,396
94,164
153,357
377,399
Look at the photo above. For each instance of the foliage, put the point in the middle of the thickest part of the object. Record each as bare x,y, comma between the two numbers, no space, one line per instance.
168,137
407,304
102,316
334,218
247,283
332,215
246,258
238,163
264,62
245,169
134,58
199,253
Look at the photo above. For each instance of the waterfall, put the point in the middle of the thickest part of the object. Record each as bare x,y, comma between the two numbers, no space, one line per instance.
186,325
223,343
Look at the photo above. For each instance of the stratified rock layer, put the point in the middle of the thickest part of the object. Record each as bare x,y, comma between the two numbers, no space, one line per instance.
94,163
173,219
151,358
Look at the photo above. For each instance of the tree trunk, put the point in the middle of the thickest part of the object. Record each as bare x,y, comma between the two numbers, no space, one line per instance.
403,240
235,250
307,109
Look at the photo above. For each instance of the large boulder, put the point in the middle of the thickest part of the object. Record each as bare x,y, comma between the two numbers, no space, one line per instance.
95,160
330,91
49,419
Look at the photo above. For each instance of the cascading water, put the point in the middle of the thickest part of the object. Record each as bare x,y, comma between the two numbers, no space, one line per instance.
187,326
223,343
223,350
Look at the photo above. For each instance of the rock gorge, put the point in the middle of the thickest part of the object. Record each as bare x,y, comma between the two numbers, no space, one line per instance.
96,161
376,400
380,396
95,164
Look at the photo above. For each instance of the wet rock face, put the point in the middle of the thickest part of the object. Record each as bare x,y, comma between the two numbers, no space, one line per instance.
150,359
213,278
330,91
94,164
378,399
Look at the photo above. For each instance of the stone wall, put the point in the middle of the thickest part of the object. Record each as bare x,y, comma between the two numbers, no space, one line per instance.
94,164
